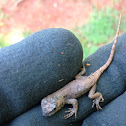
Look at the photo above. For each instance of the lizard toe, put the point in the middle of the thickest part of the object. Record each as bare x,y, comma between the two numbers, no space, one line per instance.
96,102
71,112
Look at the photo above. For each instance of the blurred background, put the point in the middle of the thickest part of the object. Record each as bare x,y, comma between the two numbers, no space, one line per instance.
94,22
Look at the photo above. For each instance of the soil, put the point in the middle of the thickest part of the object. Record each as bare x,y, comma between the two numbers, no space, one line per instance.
35,15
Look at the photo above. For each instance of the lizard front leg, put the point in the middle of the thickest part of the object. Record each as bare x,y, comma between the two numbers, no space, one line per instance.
96,96
73,110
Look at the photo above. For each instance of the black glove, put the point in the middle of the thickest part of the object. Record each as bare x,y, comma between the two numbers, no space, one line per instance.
39,74
33,68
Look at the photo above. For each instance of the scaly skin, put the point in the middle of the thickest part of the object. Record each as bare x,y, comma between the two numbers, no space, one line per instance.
76,88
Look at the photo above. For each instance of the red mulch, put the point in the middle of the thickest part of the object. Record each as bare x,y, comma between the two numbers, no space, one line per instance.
35,15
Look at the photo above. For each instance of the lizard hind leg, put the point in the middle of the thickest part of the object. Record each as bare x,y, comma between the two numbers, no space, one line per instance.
96,96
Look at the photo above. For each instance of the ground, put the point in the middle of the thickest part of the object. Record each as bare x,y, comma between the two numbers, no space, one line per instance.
33,15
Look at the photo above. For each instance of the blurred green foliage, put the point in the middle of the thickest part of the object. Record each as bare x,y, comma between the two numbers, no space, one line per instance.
2,15
26,33
2,43
100,27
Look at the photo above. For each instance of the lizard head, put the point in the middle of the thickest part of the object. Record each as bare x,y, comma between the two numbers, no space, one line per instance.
51,105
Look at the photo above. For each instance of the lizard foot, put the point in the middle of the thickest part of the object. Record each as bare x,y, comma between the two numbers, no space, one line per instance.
96,102
71,111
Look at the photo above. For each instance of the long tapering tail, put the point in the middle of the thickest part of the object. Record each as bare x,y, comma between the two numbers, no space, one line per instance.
112,50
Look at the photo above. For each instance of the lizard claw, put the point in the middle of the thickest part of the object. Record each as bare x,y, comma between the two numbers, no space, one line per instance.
96,102
71,111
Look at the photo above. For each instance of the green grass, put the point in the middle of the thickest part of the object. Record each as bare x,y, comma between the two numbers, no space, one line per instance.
100,27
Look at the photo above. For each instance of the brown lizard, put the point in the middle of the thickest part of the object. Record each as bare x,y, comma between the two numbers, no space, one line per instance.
76,88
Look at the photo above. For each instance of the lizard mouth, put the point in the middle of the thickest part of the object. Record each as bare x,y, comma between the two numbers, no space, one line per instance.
48,111
47,114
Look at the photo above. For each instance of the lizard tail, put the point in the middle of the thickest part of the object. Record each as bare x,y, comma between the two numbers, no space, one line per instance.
112,50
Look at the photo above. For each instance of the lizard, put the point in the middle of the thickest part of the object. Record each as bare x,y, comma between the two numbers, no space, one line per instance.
78,87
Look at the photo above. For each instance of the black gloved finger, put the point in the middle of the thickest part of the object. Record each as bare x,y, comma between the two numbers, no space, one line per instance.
35,67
